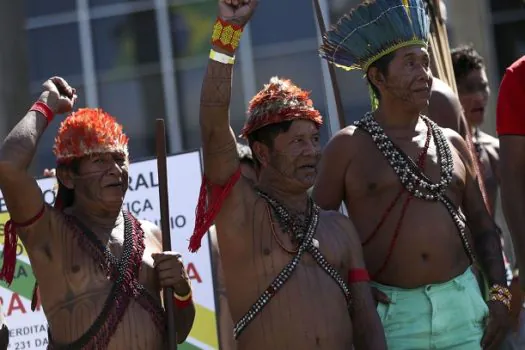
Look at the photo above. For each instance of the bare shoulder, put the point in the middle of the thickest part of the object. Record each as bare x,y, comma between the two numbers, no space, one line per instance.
51,222
341,224
342,143
444,106
152,232
460,146
456,140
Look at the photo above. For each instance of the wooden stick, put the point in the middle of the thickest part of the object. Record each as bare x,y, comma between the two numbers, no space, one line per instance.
331,69
165,219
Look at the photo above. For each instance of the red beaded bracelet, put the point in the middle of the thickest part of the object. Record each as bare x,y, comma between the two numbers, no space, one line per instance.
41,107
358,275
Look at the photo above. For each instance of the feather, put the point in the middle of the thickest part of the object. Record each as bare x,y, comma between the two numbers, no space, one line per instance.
373,29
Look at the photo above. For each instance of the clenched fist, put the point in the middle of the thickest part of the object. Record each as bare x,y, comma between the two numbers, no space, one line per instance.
171,272
58,95
237,12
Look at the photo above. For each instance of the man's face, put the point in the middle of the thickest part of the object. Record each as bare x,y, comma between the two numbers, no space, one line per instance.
102,178
296,153
474,93
409,77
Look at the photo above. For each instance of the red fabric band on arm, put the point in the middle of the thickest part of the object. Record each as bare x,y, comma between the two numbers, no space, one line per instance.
10,241
209,206
358,275
41,107
181,304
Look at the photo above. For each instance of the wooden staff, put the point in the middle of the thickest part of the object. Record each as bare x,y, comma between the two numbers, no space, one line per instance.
164,220
331,69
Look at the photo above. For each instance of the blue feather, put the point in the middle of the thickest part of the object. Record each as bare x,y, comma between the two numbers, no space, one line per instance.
373,27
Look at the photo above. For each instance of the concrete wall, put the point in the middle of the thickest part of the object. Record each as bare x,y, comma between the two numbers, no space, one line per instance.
14,77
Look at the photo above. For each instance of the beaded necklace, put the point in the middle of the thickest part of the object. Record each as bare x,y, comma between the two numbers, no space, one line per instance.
414,181
306,244
124,273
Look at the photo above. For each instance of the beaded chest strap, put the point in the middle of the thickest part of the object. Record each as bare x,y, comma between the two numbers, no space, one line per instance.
305,245
124,274
413,179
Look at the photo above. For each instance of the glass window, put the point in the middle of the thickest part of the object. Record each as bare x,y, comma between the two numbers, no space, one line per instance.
136,103
40,8
272,23
502,5
44,157
510,43
125,41
94,3
189,88
191,27
54,51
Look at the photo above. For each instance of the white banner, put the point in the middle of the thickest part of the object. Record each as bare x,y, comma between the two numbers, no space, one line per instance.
28,330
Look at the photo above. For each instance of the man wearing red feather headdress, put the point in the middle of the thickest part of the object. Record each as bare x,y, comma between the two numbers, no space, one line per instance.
100,270
294,274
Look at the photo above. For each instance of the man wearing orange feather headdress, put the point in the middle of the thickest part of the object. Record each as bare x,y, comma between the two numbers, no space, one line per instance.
100,270
294,274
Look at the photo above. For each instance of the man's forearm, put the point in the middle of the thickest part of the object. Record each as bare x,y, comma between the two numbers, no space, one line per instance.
367,327
184,321
513,200
216,95
488,250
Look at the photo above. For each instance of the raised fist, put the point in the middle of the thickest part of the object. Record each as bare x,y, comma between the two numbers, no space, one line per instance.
237,11
58,95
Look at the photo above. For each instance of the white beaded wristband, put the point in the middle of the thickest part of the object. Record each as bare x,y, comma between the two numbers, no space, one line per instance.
221,58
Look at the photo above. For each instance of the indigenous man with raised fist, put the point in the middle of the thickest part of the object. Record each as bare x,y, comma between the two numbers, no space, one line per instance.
294,273
100,270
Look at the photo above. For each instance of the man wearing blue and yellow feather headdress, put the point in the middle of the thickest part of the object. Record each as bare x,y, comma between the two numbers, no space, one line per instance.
411,190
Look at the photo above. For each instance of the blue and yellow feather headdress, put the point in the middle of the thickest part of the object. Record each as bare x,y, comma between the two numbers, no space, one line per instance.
373,30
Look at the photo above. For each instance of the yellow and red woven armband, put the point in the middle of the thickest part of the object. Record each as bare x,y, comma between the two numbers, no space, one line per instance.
226,35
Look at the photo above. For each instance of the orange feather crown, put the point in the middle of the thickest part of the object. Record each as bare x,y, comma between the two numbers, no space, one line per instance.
89,131
279,101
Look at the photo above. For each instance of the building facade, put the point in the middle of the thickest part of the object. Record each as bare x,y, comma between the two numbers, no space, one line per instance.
144,59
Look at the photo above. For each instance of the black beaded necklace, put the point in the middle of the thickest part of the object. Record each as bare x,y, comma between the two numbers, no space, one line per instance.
412,178
305,240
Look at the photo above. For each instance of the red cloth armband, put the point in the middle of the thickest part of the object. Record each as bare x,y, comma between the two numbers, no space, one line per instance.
10,242
181,304
358,275
208,207
41,107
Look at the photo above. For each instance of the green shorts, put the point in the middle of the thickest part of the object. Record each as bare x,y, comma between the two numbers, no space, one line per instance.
449,315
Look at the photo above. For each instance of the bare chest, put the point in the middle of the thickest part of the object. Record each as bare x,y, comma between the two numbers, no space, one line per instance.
83,271
372,177
271,253
85,274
